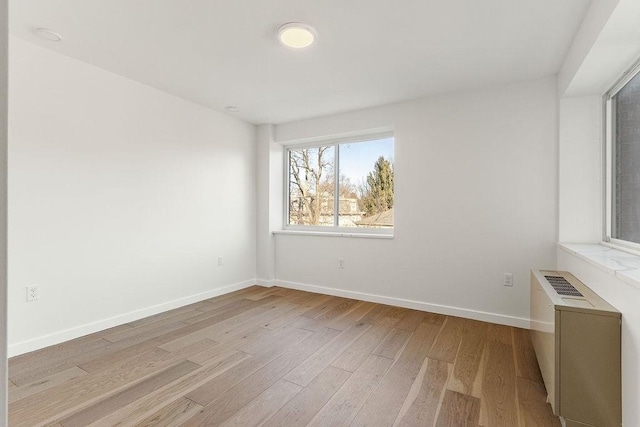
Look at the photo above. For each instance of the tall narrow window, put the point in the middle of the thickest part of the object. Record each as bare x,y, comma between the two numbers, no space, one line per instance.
342,185
623,135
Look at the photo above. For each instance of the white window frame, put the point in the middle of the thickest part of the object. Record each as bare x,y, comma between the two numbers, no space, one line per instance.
335,142
609,138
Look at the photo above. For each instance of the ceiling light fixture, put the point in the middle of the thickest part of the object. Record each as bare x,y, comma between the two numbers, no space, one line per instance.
46,34
296,35
232,109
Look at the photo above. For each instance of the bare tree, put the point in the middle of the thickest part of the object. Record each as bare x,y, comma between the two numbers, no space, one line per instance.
311,177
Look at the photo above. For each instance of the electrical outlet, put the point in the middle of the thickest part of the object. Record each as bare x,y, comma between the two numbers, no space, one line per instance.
220,261
33,293
508,279
340,263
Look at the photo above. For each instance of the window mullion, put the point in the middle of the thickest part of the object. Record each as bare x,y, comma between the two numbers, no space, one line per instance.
609,165
336,189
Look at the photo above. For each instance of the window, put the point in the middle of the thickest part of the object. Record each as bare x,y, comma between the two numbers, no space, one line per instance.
344,185
623,162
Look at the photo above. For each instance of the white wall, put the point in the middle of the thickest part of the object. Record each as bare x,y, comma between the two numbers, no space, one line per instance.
4,28
581,172
270,157
121,198
475,197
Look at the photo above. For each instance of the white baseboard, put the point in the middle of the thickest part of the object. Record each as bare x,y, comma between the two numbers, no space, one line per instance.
501,319
100,325
265,283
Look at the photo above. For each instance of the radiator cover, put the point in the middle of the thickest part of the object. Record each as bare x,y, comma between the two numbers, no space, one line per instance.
576,337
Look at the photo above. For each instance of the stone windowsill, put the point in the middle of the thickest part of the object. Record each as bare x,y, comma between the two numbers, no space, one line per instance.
623,265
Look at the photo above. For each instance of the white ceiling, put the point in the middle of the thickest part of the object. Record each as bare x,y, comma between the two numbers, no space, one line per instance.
369,52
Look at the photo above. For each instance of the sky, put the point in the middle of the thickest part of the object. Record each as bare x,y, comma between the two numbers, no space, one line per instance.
357,159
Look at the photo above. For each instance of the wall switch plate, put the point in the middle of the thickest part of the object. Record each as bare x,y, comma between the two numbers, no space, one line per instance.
508,279
33,293
340,263
220,261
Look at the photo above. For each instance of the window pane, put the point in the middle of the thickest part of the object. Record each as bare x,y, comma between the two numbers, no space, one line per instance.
366,184
626,157
311,186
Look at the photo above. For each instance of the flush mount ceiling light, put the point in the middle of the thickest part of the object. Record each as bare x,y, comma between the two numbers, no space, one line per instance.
46,34
232,109
296,35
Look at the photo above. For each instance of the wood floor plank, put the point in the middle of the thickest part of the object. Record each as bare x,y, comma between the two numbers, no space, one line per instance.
104,350
361,348
411,321
337,311
208,327
218,386
228,300
397,313
232,309
498,403
260,341
79,392
499,333
234,398
315,364
309,299
134,332
205,356
60,352
184,312
221,300
45,383
448,341
306,404
27,374
347,401
265,405
151,406
43,406
171,415
354,315
286,318
385,402
459,410
376,314
229,332
466,371
318,310
105,406
422,403
393,343
434,318
263,293
526,362
125,353
533,409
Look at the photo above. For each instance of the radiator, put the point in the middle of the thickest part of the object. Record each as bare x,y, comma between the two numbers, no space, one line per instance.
576,337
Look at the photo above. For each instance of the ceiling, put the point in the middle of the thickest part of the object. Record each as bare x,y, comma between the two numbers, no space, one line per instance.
219,53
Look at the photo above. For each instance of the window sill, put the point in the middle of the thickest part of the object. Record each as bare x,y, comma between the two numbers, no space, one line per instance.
623,265
333,234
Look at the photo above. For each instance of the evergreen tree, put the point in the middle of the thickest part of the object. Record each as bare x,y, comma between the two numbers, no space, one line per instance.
377,191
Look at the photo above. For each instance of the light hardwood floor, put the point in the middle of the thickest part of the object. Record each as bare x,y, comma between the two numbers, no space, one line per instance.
279,357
